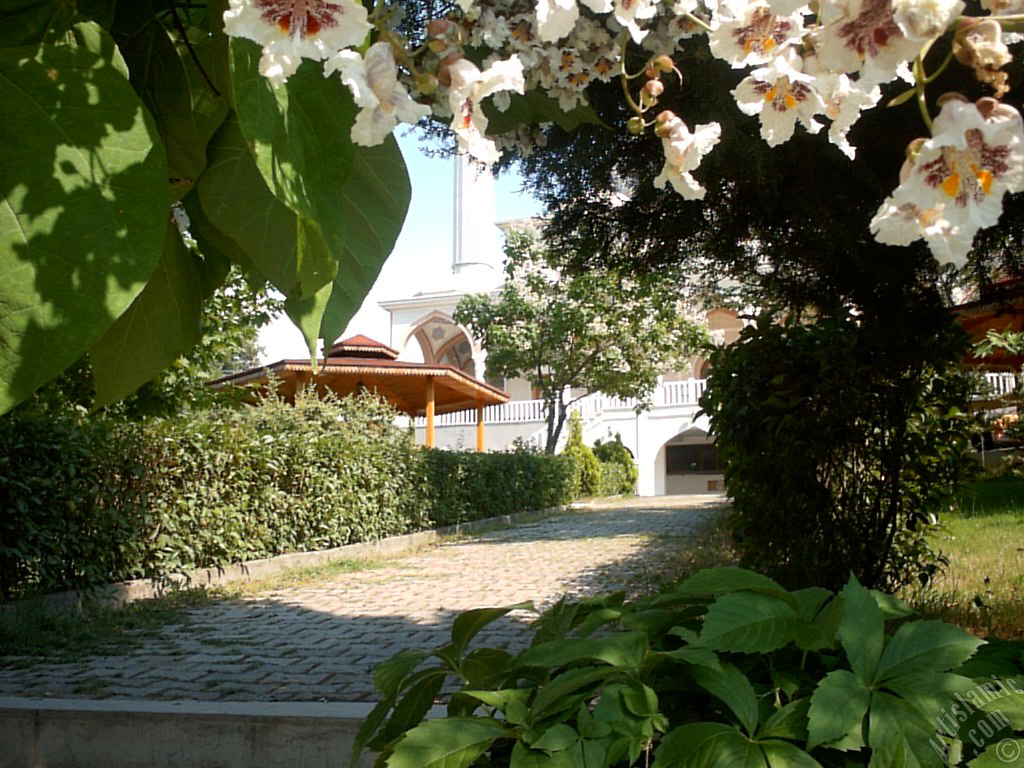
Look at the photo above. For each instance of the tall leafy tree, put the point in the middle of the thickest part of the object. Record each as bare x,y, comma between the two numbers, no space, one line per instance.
594,330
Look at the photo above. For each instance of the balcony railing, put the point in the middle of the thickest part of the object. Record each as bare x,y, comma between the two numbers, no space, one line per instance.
667,395
1000,384
670,394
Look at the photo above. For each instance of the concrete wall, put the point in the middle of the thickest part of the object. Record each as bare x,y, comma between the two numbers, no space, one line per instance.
37,733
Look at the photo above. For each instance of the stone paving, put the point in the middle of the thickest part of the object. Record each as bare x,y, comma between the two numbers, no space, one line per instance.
320,641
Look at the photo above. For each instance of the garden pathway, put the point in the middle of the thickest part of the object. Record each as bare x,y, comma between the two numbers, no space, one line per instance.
320,640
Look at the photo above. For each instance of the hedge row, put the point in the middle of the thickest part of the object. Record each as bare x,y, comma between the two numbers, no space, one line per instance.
90,500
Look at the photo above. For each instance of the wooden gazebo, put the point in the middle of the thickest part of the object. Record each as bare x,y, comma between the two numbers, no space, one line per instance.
360,363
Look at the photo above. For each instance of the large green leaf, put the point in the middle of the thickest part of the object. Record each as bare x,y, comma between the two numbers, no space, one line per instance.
186,111
375,201
862,630
748,622
356,198
299,137
1006,752
782,754
899,735
732,687
789,722
414,705
625,649
726,579
29,22
83,180
236,202
164,321
560,691
524,757
469,623
390,676
925,646
454,742
838,706
707,745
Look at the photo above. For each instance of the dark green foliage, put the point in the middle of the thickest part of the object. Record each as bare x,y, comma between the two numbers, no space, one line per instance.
455,484
840,446
620,474
91,499
586,468
72,500
726,669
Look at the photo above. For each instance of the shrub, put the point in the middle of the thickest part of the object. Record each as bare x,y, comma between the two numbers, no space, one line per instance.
237,484
586,467
728,668
90,500
72,501
839,448
620,472
466,486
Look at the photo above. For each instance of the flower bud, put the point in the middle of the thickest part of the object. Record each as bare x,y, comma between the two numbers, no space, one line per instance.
651,91
436,46
654,88
663,123
635,125
652,72
663,63
444,76
951,96
426,83
437,28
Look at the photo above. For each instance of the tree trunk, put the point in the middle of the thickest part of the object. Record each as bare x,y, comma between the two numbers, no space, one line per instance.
555,426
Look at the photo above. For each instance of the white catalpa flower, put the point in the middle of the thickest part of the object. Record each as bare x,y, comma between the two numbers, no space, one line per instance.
956,183
383,100
469,88
924,20
781,94
1006,8
683,152
878,37
844,99
749,34
629,12
557,18
293,30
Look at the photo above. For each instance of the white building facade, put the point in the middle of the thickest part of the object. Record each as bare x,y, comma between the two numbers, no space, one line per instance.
669,440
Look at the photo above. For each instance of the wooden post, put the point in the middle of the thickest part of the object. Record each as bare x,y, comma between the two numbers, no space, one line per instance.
479,427
430,412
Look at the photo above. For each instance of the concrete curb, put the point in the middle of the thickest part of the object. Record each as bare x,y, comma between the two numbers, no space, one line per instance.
44,733
119,594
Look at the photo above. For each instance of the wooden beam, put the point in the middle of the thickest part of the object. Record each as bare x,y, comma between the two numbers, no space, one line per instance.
430,412
479,427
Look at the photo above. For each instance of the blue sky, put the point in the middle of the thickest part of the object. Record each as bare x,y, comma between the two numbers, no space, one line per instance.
423,254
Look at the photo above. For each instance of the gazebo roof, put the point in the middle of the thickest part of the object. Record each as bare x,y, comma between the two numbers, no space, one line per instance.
360,363
362,346
1001,308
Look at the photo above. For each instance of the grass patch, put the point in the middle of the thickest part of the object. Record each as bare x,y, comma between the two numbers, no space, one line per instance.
982,589
32,629
714,548
294,578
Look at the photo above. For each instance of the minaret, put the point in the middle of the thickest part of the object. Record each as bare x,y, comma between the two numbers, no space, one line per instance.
476,242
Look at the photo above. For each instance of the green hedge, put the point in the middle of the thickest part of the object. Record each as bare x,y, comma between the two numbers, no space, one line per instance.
93,499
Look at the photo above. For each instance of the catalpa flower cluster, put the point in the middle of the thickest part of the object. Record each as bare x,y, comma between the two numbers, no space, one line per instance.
807,67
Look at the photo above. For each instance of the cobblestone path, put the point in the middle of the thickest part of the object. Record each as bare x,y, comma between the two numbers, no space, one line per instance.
321,640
